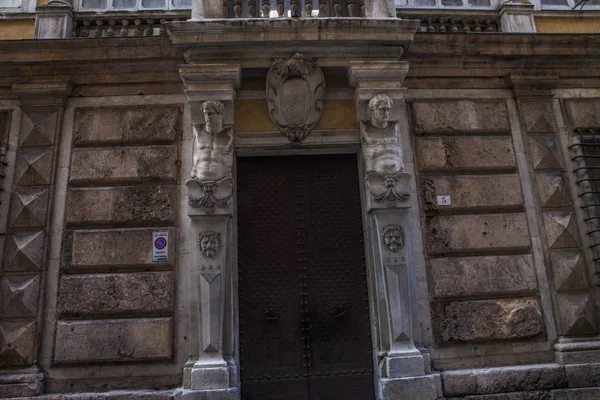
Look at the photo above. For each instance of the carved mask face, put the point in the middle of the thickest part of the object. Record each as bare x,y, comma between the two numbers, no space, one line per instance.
213,120
381,114
210,243
393,239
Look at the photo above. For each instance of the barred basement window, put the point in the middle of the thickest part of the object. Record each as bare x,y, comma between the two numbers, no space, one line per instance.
585,152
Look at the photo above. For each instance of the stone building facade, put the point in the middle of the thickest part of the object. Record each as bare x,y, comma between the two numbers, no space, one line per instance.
352,209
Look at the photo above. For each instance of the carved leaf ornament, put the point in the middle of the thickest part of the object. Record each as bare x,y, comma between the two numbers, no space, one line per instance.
295,96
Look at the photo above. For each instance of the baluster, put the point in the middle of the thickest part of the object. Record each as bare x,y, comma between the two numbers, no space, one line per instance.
149,31
85,31
477,26
323,8
489,26
294,8
161,28
124,31
453,27
362,8
280,8
308,7
111,27
466,25
442,27
98,31
351,8
337,8
430,27
266,8
137,31
237,8
251,8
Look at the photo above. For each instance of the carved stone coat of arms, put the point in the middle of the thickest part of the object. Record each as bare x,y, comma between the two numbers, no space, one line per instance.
295,95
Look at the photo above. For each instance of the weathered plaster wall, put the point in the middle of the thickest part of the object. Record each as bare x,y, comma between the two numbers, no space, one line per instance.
567,25
19,29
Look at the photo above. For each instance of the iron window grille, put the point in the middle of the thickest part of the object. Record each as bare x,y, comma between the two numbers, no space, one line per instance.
585,154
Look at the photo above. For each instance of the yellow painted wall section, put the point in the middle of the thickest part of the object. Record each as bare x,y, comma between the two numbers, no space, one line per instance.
42,2
567,25
16,29
253,116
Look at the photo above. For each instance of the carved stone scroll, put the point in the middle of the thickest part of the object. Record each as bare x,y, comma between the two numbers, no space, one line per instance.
295,96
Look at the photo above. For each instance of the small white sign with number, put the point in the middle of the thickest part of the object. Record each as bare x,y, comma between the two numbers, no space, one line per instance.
160,246
444,201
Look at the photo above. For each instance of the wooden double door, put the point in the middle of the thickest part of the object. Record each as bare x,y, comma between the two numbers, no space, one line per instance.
303,303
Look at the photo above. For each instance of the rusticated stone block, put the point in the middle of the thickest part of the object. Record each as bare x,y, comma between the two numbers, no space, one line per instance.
118,249
545,153
17,343
24,251
481,320
553,189
19,296
144,292
505,381
583,112
34,167
113,340
28,208
460,116
127,125
478,276
38,128
465,153
583,375
576,314
561,229
479,192
569,270
131,164
122,205
538,117
477,233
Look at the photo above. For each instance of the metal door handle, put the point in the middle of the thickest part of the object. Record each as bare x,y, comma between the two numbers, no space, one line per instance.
338,311
271,315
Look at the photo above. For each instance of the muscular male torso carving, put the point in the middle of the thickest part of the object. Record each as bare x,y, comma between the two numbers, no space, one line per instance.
213,156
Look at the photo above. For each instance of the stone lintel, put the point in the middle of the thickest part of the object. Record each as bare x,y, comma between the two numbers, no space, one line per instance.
43,93
53,21
533,86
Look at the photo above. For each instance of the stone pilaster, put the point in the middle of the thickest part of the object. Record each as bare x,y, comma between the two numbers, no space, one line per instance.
392,213
559,218
54,20
516,16
24,261
212,371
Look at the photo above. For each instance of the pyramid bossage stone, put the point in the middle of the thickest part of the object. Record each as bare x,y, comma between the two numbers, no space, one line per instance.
146,205
479,276
113,249
143,292
473,153
128,164
479,192
122,125
460,116
118,340
489,233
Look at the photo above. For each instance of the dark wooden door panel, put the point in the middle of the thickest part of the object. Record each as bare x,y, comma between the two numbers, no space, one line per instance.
304,319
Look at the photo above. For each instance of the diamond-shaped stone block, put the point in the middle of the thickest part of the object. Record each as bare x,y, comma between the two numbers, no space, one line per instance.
33,167
576,314
24,251
553,189
38,128
569,270
19,296
17,343
28,207
545,153
539,117
561,229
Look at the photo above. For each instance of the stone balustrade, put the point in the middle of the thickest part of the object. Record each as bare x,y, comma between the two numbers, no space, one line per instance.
452,21
123,25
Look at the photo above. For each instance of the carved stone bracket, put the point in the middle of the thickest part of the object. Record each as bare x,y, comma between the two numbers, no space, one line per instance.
210,194
388,187
295,96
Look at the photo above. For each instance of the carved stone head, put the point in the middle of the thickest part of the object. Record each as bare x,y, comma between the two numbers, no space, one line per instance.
213,111
209,243
392,237
379,110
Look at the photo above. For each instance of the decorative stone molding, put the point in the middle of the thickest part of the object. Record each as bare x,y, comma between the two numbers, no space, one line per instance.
428,190
295,95
388,188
